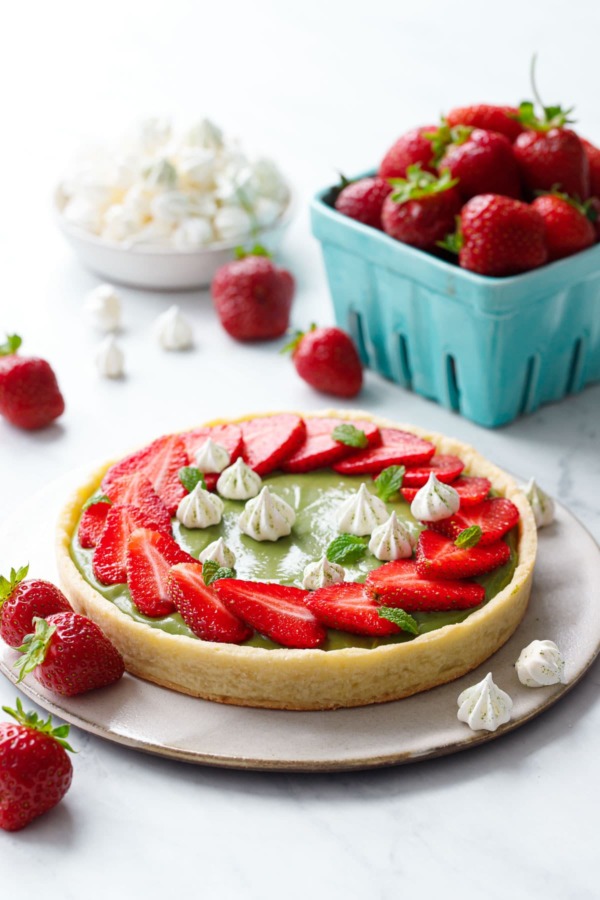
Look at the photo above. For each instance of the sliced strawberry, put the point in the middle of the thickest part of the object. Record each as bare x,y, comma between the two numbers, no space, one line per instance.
150,556
495,517
135,462
91,524
201,608
269,440
110,556
210,480
396,448
136,490
445,467
349,607
470,490
275,610
399,584
160,462
320,449
439,557
228,436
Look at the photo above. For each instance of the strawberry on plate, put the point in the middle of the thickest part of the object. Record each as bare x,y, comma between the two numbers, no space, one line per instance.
275,610
362,200
150,556
202,610
399,584
422,208
444,466
268,440
136,490
439,557
69,654
349,607
501,119
29,394
21,600
327,359
471,490
92,522
495,517
484,163
568,228
320,448
109,561
160,462
396,448
412,148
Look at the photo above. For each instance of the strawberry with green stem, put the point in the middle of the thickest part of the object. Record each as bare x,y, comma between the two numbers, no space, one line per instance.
21,600
422,208
327,359
568,222
411,149
29,394
482,162
501,119
362,200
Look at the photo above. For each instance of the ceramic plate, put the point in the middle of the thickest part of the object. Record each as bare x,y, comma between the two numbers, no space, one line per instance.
137,714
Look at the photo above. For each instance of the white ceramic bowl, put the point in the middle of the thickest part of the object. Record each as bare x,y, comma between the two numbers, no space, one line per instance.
154,268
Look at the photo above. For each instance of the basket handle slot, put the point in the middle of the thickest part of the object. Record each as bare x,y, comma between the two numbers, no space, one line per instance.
575,366
452,383
529,385
356,329
404,359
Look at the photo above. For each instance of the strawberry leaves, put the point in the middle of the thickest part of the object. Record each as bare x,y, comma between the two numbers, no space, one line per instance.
419,184
11,345
7,585
32,720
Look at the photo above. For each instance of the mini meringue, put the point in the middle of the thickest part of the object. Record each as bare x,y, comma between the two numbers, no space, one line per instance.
103,308
392,540
362,513
541,504
239,482
267,517
484,706
200,509
321,573
541,663
435,501
211,457
220,552
173,331
110,359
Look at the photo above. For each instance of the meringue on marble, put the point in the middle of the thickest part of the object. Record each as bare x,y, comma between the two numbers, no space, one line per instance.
220,553
103,308
110,359
211,457
173,331
541,663
362,513
542,505
267,517
322,573
484,706
200,508
392,540
239,482
435,501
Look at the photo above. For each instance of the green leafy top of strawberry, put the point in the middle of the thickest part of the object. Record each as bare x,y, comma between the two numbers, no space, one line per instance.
190,476
32,720
350,435
257,250
419,184
553,116
586,207
446,135
212,571
11,345
296,338
34,647
7,585
454,241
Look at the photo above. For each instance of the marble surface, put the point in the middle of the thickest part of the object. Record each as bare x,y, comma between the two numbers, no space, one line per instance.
319,89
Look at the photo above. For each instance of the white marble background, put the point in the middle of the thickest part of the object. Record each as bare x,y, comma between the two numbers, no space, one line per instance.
320,86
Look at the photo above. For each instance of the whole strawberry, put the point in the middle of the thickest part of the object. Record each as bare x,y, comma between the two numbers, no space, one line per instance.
593,155
550,156
253,297
501,119
23,600
35,771
422,208
29,394
327,359
69,654
500,236
483,163
568,228
413,148
362,200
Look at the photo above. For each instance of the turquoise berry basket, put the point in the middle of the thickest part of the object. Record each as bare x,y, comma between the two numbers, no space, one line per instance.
491,349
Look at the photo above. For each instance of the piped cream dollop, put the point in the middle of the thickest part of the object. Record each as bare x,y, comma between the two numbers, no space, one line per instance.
362,513
211,457
220,553
541,504
541,663
484,706
322,573
103,308
435,501
267,517
239,481
110,360
200,509
173,331
392,540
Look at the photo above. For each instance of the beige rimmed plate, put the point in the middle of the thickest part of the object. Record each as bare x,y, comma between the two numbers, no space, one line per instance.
137,714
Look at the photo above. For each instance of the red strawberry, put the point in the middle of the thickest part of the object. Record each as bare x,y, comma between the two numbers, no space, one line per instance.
502,119
275,610
413,148
362,200
268,440
444,466
399,584
470,490
109,562
327,359
484,163
70,655
136,490
593,156
35,771
150,556
500,236
253,297
396,448
92,522
349,607
422,208
201,608
160,462
228,436
29,394
495,517
439,557
568,228
319,449
21,601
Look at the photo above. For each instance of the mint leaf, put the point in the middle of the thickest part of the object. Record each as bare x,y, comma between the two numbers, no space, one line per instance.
190,476
212,571
468,537
389,481
400,618
349,435
347,548
11,345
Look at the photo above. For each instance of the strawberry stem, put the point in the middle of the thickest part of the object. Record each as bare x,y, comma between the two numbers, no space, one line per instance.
7,585
296,338
419,184
34,648
257,250
32,720
11,345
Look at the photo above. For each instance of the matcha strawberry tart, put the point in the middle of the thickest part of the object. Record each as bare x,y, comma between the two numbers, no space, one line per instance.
299,561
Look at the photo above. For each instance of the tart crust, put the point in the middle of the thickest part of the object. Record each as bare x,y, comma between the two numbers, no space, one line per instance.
312,679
